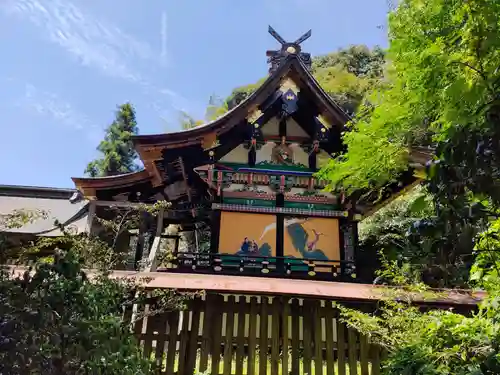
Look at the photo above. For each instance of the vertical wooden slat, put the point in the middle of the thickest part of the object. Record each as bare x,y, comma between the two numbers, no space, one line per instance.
375,349
363,354
330,360
206,337
183,342
295,311
161,339
307,323
275,335
352,351
193,338
148,336
263,336
228,343
173,323
284,332
219,306
318,340
341,344
252,336
240,338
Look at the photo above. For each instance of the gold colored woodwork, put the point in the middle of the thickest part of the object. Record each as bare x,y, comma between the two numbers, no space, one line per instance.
254,115
289,84
324,121
210,141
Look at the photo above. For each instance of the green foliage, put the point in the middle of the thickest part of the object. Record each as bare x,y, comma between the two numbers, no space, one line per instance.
188,122
445,61
346,75
56,321
444,90
59,319
358,60
118,152
18,218
344,87
434,343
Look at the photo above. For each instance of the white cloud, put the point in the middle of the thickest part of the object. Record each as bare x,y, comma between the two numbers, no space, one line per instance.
48,104
98,44
92,42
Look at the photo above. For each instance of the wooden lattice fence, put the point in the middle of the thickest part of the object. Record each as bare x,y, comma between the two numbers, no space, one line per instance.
228,335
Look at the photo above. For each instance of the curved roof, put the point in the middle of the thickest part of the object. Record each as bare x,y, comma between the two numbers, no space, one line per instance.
150,147
292,67
88,185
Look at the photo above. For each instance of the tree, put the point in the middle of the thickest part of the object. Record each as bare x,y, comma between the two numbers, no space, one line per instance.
444,70
346,75
59,319
356,59
118,152
444,89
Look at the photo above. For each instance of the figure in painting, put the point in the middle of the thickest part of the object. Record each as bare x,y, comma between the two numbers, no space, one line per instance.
245,246
306,247
250,247
311,245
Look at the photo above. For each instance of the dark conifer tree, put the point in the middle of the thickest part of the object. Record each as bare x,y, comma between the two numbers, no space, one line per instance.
117,149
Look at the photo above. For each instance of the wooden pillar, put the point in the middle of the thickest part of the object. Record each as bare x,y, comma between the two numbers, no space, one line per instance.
155,248
215,231
90,216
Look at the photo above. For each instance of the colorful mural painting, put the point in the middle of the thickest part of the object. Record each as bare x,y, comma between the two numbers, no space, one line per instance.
247,234
312,238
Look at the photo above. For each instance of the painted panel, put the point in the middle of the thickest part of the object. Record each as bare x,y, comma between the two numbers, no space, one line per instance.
299,155
322,158
238,155
271,128
275,155
264,154
247,234
294,130
312,238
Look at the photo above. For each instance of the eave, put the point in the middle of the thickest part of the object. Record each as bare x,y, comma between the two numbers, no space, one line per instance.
89,186
418,158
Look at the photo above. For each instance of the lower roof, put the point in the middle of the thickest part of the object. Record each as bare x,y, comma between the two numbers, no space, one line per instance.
62,205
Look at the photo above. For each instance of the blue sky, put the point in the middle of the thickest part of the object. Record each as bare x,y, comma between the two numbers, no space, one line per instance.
67,64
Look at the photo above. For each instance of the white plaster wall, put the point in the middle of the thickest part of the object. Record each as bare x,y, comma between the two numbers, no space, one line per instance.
237,155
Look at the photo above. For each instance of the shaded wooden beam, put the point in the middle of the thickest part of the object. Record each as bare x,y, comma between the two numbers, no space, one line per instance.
186,185
274,286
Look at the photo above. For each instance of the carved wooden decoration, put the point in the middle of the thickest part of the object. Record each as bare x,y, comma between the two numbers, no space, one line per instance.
324,121
210,141
254,115
289,84
282,154
276,57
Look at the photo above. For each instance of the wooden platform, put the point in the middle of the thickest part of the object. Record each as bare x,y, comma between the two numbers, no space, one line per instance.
275,286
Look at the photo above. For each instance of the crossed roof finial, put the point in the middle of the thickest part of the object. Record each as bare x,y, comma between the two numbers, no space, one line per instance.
282,41
275,58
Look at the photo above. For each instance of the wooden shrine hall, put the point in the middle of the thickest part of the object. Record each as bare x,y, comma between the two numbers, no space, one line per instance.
243,192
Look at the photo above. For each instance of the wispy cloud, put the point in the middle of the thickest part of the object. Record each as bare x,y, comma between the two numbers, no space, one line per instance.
88,39
98,44
48,104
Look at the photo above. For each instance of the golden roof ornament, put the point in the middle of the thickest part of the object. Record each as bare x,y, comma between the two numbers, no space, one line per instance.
324,121
254,115
289,84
